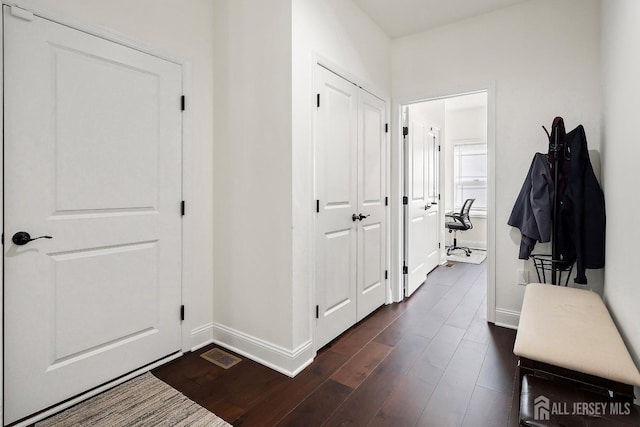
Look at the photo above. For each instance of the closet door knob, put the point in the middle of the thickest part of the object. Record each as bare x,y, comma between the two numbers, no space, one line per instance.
22,238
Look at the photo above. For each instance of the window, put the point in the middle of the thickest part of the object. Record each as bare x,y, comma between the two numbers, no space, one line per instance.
470,175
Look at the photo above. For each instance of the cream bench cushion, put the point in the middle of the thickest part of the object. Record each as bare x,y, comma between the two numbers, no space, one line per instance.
571,328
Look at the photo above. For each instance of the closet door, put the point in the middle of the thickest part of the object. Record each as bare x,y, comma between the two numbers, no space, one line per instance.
336,175
371,193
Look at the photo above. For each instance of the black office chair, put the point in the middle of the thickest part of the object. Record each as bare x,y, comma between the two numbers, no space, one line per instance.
461,222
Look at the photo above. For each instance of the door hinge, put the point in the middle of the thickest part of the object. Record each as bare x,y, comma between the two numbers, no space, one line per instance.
318,206
438,196
386,274
405,200
318,101
182,312
386,128
438,245
182,208
438,148
317,311
183,103
405,269
405,131
386,201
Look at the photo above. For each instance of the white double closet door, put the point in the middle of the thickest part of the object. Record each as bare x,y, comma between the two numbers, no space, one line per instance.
92,144
350,181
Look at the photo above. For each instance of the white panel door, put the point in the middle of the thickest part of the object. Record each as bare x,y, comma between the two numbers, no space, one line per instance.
433,213
350,178
92,139
337,194
416,217
371,203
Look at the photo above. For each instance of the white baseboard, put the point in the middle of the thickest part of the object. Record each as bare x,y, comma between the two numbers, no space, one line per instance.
507,318
201,336
287,362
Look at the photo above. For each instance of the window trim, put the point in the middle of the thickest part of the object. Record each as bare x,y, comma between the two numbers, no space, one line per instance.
464,142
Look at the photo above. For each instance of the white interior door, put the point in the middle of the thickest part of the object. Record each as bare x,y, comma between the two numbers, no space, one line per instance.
351,214
417,209
371,203
434,229
92,139
337,194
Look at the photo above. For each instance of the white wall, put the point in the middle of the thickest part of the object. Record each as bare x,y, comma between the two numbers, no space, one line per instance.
252,178
182,30
341,33
621,85
263,253
544,59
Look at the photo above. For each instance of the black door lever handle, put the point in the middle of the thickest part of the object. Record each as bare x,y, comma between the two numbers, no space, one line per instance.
22,238
361,217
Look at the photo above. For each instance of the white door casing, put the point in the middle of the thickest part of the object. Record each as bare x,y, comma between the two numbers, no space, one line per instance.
92,137
350,180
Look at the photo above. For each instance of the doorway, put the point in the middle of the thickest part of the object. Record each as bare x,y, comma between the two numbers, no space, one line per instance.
445,154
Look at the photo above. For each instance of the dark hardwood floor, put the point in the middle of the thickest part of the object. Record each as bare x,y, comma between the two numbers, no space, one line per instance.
430,361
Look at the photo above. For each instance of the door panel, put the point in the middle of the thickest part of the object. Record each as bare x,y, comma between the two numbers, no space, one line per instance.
371,193
350,178
92,158
417,224
336,190
433,211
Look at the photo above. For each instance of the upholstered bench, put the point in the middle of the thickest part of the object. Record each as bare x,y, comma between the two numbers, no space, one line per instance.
568,333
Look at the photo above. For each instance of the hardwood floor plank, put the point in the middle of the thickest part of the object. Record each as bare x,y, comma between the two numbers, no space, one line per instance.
322,402
465,312
278,404
434,360
363,404
449,401
487,408
355,339
406,403
498,370
356,370
405,353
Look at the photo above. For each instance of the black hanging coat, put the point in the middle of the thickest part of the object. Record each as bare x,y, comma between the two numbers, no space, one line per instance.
533,208
580,233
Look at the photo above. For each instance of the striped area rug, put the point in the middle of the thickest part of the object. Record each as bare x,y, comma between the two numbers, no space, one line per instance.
142,401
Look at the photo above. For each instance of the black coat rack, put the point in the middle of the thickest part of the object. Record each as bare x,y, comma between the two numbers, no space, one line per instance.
552,263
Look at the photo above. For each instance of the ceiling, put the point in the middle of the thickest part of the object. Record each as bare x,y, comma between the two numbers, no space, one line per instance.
400,18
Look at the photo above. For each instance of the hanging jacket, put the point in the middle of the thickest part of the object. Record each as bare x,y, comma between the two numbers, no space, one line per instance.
580,233
533,208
